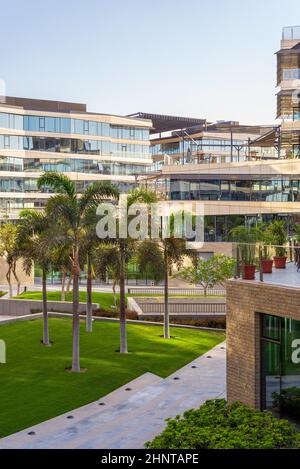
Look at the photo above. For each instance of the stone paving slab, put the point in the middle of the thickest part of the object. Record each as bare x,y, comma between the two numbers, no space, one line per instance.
130,418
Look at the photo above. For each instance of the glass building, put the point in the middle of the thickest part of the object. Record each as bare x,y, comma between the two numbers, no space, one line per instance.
39,135
280,344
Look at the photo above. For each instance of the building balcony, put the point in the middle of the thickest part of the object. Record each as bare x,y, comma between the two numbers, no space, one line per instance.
289,277
290,33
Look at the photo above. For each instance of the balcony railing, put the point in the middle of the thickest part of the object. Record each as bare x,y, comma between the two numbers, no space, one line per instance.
290,33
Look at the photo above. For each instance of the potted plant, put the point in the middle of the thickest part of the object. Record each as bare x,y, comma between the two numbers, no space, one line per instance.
267,240
246,239
278,233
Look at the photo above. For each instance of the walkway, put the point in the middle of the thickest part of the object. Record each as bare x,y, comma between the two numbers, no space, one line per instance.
134,413
288,277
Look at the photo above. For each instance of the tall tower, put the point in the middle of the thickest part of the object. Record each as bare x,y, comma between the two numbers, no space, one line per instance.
288,97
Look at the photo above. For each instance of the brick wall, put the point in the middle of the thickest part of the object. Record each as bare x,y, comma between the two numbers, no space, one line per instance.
246,300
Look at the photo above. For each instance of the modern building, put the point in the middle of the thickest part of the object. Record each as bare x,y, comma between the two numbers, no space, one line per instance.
263,317
238,172
288,97
263,339
41,135
241,173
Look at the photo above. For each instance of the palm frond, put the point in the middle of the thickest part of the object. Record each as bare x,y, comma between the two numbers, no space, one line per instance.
95,193
141,195
58,182
60,208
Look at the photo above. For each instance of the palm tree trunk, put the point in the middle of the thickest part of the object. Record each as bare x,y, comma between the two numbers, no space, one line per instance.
166,295
76,324
46,340
123,334
89,318
114,292
14,268
63,282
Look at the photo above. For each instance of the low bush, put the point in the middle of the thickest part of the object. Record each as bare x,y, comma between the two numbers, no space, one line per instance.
288,401
218,424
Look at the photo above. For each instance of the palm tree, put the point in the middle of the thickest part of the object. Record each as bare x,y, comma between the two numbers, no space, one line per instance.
60,260
67,206
35,240
126,249
107,265
90,242
123,248
174,250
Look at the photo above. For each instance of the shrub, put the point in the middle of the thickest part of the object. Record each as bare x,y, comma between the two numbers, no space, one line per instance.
288,401
220,425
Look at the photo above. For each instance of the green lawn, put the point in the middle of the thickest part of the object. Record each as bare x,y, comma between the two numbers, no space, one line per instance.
106,300
34,383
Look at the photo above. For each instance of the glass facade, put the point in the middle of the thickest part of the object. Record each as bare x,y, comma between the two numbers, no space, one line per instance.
30,185
69,165
291,74
71,145
86,146
279,189
280,367
71,126
211,150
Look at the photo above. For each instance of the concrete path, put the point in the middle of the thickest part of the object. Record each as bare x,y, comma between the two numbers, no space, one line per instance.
134,413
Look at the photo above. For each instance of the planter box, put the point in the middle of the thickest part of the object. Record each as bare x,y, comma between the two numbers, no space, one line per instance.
280,262
267,265
249,271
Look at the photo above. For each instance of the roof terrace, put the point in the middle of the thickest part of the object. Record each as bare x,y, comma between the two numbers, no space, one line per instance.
290,33
289,276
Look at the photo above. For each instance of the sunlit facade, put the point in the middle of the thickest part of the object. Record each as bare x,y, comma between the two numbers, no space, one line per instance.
38,136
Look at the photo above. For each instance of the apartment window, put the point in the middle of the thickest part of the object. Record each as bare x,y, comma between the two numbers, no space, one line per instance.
86,127
6,141
42,123
50,124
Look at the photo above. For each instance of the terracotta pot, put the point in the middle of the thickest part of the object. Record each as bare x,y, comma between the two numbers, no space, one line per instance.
267,265
249,271
279,262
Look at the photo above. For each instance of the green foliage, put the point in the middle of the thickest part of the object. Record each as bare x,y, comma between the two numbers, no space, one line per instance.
278,233
209,273
8,233
220,425
288,400
246,237
297,232
150,260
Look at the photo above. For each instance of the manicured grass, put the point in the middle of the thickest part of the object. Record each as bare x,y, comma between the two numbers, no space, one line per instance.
34,383
106,300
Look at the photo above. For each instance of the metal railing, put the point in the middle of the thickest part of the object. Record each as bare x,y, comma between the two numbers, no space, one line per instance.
184,308
289,33
177,291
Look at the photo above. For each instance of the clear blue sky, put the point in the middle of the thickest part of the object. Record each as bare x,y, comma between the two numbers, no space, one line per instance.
212,59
